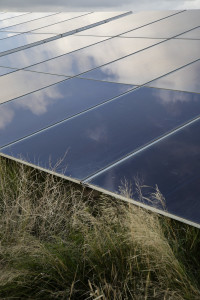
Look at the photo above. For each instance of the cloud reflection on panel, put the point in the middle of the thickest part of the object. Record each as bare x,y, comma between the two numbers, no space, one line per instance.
23,83
149,64
53,104
93,56
52,49
168,27
185,79
21,40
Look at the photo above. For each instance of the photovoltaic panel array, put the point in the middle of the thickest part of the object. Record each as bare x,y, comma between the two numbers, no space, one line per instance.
110,100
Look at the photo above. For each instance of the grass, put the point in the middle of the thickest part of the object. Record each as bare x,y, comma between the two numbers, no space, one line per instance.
59,240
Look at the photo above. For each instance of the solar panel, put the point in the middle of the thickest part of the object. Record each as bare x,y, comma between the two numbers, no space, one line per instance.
20,83
128,23
45,51
6,15
53,104
6,23
192,34
149,64
97,138
184,79
173,165
168,27
93,56
106,99
79,24
21,41
45,21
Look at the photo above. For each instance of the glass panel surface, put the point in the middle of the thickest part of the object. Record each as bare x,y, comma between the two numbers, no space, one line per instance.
173,164
193,34
20,83
4,71
51,105
185,79
45,51
168,27
21,19
44,22
4,35
81,22
7,15
93,56
149,64
21,40
99,137
127,23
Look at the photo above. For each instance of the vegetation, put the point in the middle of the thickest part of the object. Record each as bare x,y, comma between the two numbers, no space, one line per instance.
62,241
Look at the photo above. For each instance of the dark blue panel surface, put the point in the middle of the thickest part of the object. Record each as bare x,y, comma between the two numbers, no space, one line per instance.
99,137
149,64
28,114
93,56
185,79
20,83
173,164
36,54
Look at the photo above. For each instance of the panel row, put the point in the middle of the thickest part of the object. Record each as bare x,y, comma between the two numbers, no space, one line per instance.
99,137
25,40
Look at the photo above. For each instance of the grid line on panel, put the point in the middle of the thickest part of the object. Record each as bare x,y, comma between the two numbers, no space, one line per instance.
96,24
68,118
29,21
128,55
16,16
135,87
57,36
94,187
55,57
145,84
31,31
140,149
182,11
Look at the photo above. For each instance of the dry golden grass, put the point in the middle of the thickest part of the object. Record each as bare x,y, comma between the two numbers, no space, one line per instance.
59,240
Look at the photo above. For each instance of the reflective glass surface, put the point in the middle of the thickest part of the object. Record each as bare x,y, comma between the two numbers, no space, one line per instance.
43,22
7,15
185,79
51,105
20,83
4,35
45,51
99,137
149,64
173,164
168,27
76,24
93,56
4,71
193,34
21,40
21,19
127,23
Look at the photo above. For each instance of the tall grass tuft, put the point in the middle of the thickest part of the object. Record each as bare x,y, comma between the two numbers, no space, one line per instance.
59,240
